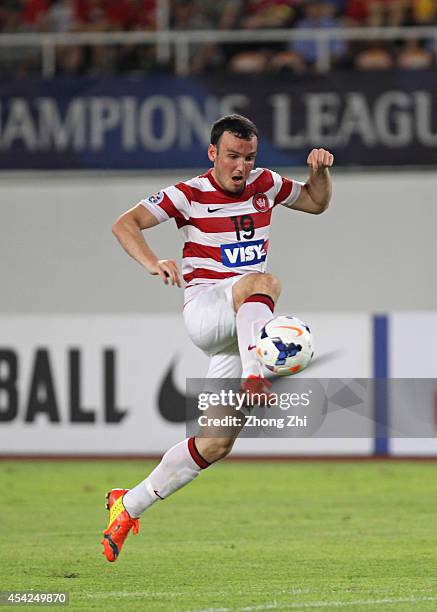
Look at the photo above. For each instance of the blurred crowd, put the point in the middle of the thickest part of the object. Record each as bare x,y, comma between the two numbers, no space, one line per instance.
296,57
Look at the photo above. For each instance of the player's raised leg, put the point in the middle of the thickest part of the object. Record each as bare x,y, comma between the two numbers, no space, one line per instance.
179,466
254,297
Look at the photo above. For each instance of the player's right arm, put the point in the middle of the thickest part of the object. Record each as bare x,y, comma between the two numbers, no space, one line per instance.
128,230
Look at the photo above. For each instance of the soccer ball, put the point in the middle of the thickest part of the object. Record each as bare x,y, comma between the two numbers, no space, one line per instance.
285,345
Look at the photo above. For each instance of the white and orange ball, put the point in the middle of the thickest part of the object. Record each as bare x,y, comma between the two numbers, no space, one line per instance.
285,345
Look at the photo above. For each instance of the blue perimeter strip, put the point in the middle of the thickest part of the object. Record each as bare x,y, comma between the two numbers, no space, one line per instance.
380,389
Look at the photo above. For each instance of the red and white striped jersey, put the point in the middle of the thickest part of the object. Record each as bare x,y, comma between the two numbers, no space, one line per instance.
225,234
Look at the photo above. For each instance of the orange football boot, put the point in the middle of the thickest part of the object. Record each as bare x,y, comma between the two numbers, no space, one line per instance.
120,523
259,386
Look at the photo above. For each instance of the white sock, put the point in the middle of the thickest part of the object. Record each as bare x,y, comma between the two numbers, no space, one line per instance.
179,466
252,315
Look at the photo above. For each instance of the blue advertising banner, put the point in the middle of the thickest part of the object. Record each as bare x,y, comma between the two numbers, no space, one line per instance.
366,119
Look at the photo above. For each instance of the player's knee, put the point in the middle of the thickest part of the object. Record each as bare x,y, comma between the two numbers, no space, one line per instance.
257,282
268,284
274,285
217,448
222,449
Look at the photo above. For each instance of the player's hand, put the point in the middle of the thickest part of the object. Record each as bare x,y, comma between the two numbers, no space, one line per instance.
319,159
167,269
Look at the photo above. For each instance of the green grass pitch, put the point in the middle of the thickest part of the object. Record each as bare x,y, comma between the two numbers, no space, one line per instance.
243,537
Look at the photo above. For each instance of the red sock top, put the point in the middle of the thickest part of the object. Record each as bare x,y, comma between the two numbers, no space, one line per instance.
262,298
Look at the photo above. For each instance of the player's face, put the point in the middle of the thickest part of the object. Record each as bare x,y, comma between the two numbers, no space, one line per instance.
233,159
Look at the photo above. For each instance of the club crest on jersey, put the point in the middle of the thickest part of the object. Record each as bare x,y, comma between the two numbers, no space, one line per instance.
260,202
243,253
156,198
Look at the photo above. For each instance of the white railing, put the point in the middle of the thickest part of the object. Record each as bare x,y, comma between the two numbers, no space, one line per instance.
181,41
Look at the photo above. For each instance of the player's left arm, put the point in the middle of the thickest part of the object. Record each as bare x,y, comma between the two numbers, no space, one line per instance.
316,194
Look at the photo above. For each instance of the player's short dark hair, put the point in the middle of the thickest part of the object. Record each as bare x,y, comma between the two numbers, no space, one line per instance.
240,126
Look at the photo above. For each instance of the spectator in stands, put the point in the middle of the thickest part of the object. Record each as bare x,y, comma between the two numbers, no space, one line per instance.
388,12
15,61
64,16
258,14
268,14
378,12
104,15
139,58
424,12
213,14
357,12
10,16
374,57
340,7
288,61
22,16
206,15
35,15
223,14
191,15
88,15
111,15
249,62
117,15
414,56
145,15
318,14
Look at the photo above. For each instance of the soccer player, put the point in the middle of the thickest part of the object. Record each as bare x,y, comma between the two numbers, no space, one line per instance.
224,216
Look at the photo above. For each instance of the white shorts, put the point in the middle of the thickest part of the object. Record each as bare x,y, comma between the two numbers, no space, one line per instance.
210,321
